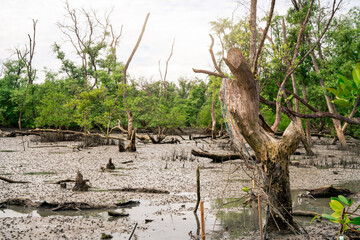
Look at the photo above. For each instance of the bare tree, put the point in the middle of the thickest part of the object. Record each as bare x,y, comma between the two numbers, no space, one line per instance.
88,35
27,55
130,117
163,79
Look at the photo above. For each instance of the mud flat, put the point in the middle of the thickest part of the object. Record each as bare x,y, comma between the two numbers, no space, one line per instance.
168,168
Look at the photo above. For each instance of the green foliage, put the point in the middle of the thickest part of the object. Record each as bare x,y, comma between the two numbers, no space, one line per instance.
341,215
347,89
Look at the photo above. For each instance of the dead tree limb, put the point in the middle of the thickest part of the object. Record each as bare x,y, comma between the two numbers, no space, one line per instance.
217,158
12,181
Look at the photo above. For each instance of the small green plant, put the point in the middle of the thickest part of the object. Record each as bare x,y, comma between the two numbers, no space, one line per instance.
342,214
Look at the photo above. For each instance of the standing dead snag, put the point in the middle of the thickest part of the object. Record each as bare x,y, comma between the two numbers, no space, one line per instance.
130,117
242,98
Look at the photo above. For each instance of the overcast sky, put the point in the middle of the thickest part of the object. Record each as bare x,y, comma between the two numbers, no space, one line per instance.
185,20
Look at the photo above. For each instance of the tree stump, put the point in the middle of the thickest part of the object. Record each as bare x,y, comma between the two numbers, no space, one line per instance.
122,146
110,165
131,147
80,184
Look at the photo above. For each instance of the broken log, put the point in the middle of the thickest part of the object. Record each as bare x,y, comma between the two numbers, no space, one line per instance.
12,181
217,158
117,214
126,162
80,184
141,190
304,213
200,137
128,204
328,191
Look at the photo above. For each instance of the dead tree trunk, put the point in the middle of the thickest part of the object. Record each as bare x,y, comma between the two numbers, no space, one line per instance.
242,98
130,117
131,147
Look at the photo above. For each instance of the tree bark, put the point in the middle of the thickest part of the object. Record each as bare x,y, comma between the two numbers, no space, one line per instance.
307,122
130,117
253,32
242,98
213,120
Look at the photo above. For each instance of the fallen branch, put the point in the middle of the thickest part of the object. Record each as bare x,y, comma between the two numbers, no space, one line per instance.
328,191
140,190
117,214
11,181
201,137
304,213
217,158
68,180
38,131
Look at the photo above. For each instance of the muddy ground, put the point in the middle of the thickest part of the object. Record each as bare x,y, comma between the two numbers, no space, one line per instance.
168,167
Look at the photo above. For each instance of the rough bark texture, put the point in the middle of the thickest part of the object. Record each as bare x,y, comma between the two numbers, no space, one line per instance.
242,98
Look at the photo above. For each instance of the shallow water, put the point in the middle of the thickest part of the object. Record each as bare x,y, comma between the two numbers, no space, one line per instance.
164,222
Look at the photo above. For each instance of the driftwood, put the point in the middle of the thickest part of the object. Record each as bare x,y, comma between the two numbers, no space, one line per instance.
80,184
117,214
217,158
141,190
126,162
304,213
12,181
128,204
328,191
160,139
200,137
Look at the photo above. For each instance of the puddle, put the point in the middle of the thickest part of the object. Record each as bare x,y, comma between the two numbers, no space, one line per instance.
159,222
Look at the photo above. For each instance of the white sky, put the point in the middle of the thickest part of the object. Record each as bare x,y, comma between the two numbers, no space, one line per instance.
185,20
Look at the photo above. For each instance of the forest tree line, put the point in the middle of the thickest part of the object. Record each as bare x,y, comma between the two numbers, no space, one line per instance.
87,91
